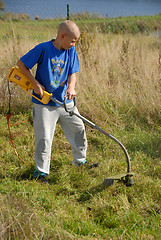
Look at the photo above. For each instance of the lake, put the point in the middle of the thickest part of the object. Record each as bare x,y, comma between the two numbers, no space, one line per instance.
57,8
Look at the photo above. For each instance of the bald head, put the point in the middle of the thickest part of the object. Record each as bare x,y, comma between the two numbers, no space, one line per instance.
69,28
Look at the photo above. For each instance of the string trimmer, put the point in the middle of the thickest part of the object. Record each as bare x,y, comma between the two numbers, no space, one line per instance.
16,76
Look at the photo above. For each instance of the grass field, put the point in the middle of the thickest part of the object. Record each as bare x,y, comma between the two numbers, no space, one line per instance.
118,88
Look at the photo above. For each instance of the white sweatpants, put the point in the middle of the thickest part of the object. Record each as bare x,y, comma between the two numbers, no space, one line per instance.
44,120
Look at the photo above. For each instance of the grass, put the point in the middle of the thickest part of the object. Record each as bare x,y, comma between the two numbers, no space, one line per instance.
73,206
43,29
118,89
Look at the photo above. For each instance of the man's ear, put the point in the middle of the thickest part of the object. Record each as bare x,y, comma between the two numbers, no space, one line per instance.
63,35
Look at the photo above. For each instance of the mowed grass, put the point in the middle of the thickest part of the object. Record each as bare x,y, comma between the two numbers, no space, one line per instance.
118,89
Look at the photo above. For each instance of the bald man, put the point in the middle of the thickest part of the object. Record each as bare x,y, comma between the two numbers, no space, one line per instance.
57,65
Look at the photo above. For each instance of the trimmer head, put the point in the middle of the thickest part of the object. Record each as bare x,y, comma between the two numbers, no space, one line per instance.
125,178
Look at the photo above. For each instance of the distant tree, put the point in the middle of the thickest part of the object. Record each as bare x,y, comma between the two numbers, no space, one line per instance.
2,5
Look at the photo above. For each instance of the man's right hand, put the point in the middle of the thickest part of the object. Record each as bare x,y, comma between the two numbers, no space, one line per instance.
38,89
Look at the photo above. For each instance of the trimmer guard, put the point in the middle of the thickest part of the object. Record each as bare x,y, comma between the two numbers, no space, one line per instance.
125,178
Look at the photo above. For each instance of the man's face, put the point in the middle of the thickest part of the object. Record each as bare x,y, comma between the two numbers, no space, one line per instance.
69,41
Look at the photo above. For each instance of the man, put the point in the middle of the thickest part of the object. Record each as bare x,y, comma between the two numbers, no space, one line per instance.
57,64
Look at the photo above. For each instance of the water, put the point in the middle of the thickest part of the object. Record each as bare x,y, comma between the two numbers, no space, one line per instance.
58,8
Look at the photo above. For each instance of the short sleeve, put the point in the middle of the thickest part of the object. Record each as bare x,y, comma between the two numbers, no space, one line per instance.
33,56
74,62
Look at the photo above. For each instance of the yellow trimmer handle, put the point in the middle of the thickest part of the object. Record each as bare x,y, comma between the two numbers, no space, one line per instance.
45,99
16,76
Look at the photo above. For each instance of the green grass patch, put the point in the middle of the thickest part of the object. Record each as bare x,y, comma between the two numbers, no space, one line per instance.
74,205
46,28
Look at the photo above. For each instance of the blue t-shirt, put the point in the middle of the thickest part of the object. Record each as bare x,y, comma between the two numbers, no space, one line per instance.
53,68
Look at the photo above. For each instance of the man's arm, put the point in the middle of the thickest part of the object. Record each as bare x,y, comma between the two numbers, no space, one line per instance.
71,86
38,88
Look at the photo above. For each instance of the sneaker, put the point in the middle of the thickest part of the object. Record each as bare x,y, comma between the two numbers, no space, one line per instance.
42,179
87,164
91,165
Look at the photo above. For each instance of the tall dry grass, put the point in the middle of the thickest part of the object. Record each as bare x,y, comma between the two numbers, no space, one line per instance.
10,51
18,221
120,75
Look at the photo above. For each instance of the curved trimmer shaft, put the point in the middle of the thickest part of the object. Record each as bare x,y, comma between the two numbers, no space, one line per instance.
107,134
126,178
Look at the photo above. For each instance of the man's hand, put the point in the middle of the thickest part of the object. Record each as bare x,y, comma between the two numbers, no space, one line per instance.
71,87
38,89
70,93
